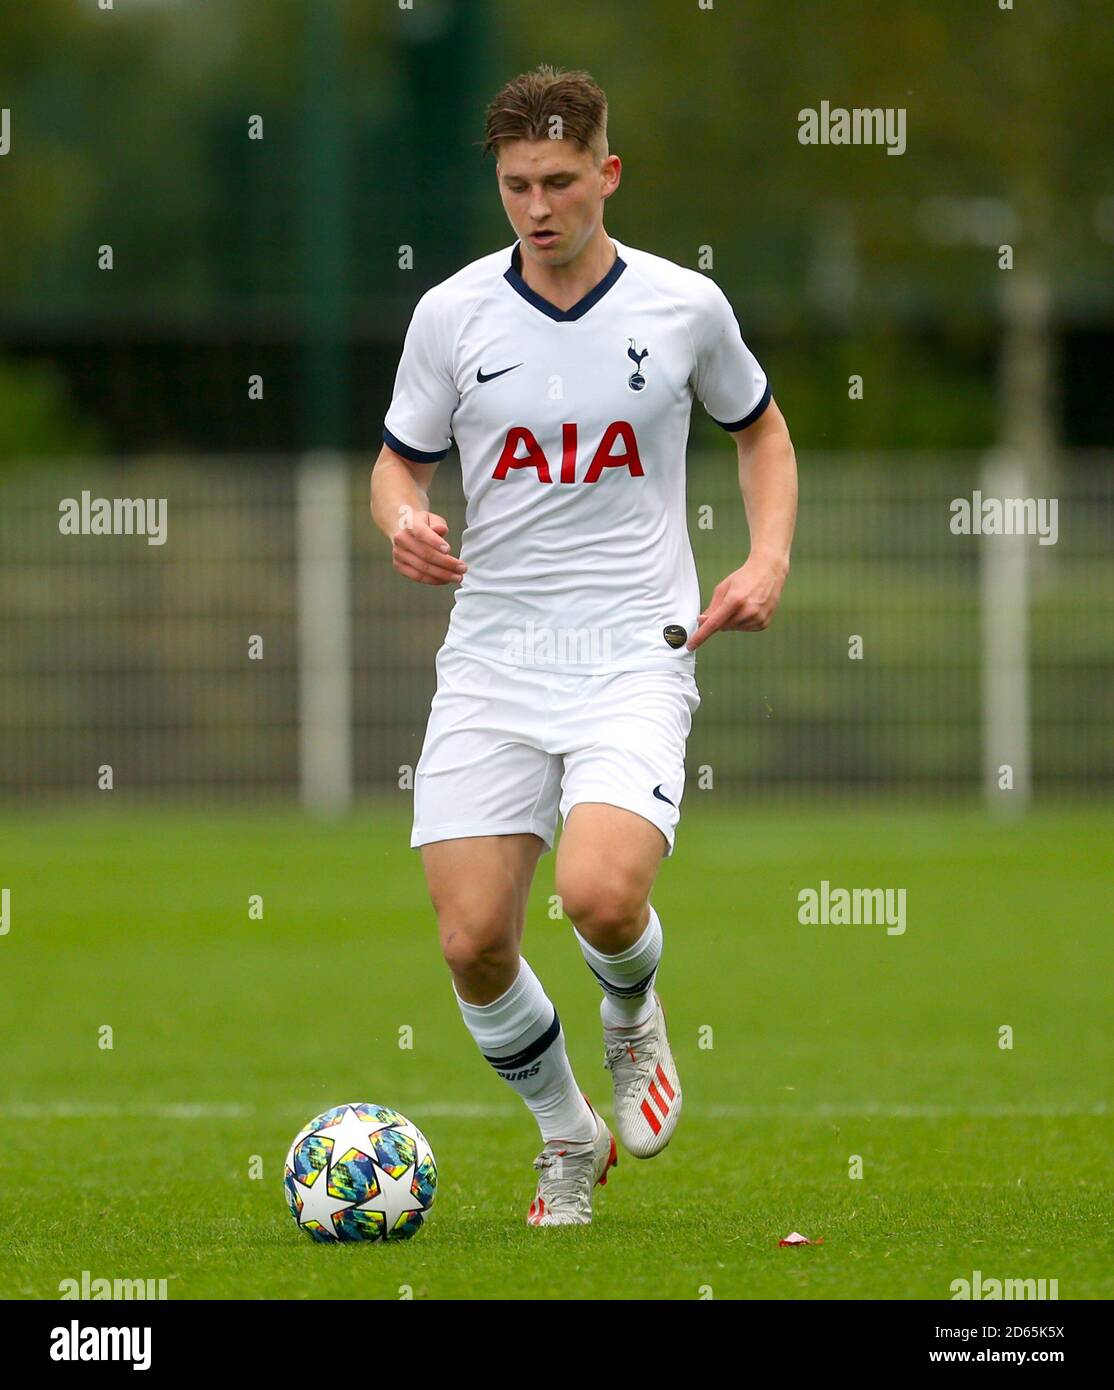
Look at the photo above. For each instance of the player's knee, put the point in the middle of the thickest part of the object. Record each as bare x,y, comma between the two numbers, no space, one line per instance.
476,944
608,916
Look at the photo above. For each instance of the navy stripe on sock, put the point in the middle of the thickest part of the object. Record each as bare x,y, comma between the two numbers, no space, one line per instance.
625,991
530,1051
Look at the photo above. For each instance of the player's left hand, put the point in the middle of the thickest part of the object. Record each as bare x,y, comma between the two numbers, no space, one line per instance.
743,602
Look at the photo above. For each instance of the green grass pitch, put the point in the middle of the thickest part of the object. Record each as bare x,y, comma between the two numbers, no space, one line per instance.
827,1042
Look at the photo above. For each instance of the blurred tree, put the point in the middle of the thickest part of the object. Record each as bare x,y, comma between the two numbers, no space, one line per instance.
37,420
130,127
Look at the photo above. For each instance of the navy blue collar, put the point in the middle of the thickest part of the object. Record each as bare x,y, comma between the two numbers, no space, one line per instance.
513,277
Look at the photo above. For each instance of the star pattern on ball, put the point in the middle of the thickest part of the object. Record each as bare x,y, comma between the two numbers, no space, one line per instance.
361,1139
350,1132
317,1204
421,1143
395,1198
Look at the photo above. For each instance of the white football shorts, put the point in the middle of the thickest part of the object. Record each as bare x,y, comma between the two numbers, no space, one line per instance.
508,747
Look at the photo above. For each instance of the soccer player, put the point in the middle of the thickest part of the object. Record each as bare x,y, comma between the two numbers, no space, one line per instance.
565,368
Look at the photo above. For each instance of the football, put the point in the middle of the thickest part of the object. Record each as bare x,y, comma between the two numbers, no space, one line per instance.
360,1172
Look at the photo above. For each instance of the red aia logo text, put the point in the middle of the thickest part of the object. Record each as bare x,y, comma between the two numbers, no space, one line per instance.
621,434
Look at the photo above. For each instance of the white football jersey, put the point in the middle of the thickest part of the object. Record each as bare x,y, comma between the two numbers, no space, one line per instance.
572,426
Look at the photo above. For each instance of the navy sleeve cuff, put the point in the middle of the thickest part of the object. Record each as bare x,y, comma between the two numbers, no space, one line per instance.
408,452
767,396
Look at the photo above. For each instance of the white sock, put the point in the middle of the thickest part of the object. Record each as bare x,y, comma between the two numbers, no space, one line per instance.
627,978
521,1036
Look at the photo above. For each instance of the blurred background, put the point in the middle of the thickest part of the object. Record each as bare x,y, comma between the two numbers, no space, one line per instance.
278,181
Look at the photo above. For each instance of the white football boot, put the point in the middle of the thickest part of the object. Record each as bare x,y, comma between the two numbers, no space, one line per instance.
647,1087
567,1175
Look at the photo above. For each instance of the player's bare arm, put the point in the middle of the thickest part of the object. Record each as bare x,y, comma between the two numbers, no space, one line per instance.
746,600
400,508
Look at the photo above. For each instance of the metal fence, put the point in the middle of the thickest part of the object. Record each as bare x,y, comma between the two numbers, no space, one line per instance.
223,660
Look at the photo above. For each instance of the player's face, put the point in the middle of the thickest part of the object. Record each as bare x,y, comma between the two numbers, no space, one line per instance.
553,193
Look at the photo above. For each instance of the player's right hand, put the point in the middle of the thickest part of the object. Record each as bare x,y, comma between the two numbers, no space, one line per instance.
419,550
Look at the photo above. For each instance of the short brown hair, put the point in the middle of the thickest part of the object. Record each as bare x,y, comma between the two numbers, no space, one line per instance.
526,106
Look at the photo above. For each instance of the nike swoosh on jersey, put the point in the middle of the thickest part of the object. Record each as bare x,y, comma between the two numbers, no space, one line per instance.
660,797
482,376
